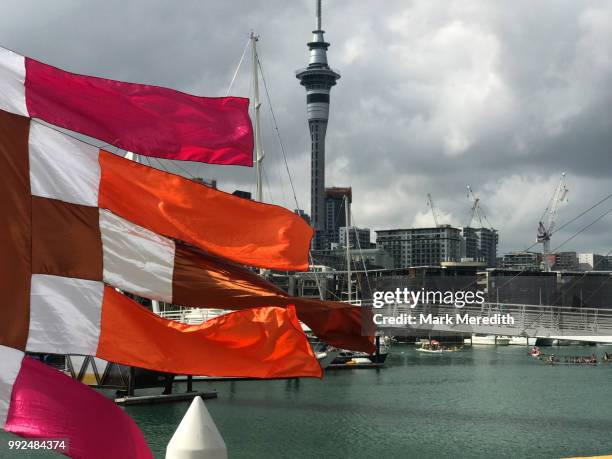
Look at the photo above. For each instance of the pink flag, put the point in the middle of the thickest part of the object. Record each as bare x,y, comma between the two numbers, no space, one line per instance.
39,402
148,120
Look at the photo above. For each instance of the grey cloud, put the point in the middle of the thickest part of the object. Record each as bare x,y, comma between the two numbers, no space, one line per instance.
434,95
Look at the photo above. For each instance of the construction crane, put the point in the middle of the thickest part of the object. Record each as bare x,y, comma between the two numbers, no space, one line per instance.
430,203
547,220
476,210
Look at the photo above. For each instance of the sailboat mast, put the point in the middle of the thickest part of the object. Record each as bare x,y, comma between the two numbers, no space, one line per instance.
347,219
259,156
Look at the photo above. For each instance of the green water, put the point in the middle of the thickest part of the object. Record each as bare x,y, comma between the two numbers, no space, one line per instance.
485,402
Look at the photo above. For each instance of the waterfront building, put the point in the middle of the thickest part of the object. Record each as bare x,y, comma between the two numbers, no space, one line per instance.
359,238
318,79
321,282
421,246
466,263
564,261
591,262
584,290
481,245
370,259
528,261
519,285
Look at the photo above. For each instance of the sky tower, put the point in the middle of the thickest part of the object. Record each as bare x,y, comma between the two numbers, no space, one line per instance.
317,78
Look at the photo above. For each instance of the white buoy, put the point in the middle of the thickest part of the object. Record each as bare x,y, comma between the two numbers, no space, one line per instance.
197,436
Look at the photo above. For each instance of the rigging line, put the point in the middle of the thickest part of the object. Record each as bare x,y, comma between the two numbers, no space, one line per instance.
282,148
359,247
315,276
558,229
175,164
550,203
562,244
583,229
581,214
602,284
72,135
267,182
162,166
277,171
278,136
577,279
237,68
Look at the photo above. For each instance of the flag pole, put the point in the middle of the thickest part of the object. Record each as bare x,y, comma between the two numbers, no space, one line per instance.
259,156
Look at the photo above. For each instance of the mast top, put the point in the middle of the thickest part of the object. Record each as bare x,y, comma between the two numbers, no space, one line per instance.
318,15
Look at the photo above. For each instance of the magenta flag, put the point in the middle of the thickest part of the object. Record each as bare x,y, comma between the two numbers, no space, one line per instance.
48,406
147,120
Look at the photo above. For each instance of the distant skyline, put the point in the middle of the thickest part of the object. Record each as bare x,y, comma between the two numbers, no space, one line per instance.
434,95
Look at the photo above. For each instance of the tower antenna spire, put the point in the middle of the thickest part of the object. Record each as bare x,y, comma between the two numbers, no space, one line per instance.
318,79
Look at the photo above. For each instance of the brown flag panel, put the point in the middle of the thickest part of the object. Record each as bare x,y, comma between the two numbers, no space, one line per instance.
15,262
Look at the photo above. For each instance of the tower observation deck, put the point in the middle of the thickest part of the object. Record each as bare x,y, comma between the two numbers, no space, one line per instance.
317,78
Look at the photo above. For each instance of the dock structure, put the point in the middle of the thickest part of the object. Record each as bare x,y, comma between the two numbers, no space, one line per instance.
164,398
354,366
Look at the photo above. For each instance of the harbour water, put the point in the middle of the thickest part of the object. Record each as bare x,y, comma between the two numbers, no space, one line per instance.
482,402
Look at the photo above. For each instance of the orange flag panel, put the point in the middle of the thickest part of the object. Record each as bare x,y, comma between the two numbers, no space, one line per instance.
265,342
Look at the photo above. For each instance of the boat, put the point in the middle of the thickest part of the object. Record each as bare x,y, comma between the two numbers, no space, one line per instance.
535,352
430,351
570,360
478,339
345,356
326,358
384,345
325,353
432,347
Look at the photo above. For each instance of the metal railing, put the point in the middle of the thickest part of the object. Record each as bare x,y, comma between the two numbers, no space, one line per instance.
527,320
192,316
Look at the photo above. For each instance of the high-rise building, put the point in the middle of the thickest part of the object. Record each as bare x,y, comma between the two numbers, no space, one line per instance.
421,246
317,78
481,245
335,215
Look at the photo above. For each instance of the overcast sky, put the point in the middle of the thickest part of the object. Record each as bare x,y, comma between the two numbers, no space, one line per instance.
434,95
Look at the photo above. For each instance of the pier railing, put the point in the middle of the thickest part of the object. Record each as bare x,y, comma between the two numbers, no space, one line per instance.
526,319
192,316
